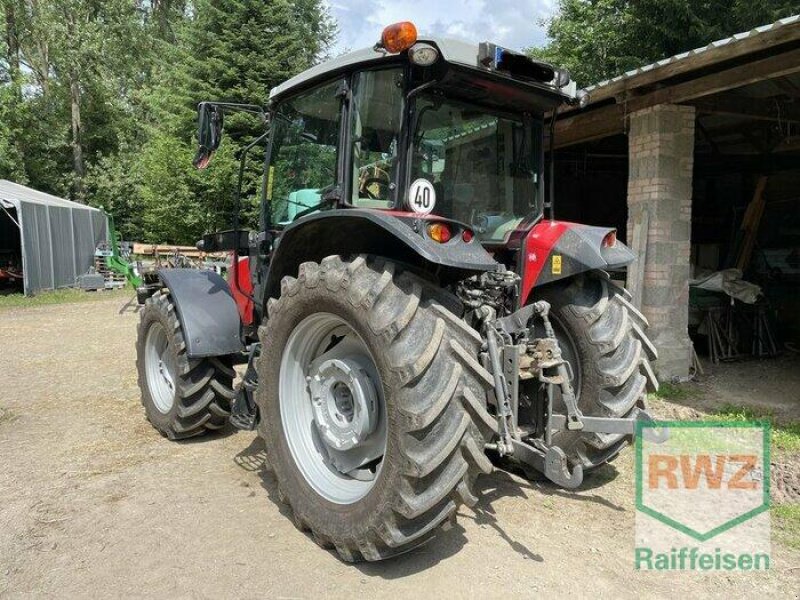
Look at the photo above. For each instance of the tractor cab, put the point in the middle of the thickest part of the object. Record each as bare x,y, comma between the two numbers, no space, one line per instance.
427,126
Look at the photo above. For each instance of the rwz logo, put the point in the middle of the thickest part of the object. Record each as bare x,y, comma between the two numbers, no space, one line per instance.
686,471
702,489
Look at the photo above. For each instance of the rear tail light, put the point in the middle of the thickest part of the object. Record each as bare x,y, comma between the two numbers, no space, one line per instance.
610,240
467,235
440,232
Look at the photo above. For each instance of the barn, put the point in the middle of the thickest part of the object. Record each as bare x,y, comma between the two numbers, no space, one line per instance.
49,240
696,160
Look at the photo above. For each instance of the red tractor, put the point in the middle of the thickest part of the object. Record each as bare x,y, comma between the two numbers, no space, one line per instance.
408,310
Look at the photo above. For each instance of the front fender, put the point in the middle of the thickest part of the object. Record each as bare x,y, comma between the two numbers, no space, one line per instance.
206,310
555,250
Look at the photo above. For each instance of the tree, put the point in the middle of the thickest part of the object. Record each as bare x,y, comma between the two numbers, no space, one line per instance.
98,100
85,45
234,51
599,39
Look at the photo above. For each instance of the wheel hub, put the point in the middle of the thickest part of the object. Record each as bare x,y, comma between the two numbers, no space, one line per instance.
164,370
345,403
160,368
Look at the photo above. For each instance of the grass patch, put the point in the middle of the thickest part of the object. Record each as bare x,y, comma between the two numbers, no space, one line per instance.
672,391
63,296
785,436
786,524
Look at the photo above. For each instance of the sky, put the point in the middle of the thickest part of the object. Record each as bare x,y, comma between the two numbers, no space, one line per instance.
515,24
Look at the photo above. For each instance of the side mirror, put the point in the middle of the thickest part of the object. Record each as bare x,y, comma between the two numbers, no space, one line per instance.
222,241
209,133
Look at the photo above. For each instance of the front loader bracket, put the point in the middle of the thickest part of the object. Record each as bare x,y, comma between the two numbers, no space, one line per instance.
244,411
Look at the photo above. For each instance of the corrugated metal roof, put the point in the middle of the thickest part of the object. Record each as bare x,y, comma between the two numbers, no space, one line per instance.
697,51
14,192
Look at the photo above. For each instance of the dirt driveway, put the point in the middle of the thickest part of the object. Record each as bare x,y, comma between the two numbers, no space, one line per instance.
94,503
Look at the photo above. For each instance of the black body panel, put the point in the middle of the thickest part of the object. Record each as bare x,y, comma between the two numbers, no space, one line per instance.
206,310
399,236
581,249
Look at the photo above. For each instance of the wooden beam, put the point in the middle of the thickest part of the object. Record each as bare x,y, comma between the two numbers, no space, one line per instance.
165,251
635,275
573,128
759,42
591,125
734,129
750,108
771,67
743,163
788,86
751,222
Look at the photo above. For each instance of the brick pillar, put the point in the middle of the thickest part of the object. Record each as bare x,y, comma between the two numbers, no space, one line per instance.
661,157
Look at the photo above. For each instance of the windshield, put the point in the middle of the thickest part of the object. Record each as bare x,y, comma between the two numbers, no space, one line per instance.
484,167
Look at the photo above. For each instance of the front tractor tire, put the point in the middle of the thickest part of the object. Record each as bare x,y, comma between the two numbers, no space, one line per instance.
182,397
602,336
370,400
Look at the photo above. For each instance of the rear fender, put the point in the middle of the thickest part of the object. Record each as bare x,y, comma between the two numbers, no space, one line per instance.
555,250
395,235
206,310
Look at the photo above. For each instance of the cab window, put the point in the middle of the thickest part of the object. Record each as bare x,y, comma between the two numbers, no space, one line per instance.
303,159
377,111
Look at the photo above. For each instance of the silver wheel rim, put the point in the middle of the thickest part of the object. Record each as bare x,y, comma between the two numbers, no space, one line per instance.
332,408
160,368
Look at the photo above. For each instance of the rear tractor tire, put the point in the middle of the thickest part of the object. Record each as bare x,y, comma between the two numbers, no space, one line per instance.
602,336
182,397
372,406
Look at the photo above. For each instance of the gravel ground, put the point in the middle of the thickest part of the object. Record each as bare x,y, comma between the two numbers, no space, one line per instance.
94,503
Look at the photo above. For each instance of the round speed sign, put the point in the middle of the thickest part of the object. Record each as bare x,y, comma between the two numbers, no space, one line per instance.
422,196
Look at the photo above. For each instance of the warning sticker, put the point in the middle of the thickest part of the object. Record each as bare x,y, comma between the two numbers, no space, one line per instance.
556,264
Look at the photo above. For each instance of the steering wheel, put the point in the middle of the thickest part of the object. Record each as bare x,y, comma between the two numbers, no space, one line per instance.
481,222
383,188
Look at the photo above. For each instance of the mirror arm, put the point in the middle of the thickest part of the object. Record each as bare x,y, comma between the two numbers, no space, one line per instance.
236,208
549,205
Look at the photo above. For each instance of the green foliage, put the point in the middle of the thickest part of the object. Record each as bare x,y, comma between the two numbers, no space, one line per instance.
787,524
136,71
62,296
599,39
672,391
11,158
785,435
590,38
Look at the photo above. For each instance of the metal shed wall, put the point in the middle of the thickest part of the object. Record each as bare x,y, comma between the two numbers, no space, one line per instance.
58,237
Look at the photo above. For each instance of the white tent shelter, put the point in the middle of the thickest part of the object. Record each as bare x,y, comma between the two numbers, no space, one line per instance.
57,237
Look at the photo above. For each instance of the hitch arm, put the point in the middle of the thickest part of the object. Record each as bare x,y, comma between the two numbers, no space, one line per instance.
501,392
613,425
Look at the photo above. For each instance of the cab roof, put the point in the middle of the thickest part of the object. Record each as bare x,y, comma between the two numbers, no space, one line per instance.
452,51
